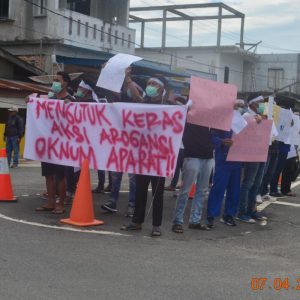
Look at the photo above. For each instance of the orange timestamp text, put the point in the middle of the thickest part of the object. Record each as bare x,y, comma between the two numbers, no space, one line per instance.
277,284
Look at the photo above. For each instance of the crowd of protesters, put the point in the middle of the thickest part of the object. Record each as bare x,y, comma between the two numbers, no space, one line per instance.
201,161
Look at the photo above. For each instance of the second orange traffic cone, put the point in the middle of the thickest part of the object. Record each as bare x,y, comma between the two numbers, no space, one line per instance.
82,211
192,191
6,191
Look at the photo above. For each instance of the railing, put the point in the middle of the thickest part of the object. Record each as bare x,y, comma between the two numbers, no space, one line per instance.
78,29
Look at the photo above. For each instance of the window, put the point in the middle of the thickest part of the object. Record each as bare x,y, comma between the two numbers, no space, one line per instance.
95,32
116,37
4,9
70,25
102,33
39,8
123,38
80,6
129,40
78,27
275,78
86,29
109,35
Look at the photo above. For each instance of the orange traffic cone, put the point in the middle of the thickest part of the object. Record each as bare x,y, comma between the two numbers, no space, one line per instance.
82,212
6,192
280,179
192,191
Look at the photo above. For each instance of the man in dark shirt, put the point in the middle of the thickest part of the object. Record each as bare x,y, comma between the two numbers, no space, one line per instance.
197,167
13,133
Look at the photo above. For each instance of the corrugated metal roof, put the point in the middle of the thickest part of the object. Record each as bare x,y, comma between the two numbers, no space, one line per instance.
22,86
7,102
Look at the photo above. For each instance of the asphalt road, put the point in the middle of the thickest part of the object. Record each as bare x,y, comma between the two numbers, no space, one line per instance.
49,263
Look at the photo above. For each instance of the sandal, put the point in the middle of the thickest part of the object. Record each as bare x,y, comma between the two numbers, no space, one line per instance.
58,211
131,227
198,226
290,194
44,208
155,232
177,228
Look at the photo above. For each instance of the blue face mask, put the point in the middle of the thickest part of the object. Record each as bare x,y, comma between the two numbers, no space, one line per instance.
56,87
261,108
151,91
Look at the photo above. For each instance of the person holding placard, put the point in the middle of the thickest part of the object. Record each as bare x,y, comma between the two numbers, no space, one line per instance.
227,177
253,171
155,93
111,204
55,174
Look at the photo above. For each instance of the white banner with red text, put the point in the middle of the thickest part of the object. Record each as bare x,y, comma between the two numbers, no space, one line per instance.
123,137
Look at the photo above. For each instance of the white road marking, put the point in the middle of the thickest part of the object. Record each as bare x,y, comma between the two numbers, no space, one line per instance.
266,203
287,204
294,184
100,232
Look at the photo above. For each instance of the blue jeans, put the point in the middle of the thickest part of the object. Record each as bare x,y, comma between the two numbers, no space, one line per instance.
253,173
194,170
116,185
12,145
226,178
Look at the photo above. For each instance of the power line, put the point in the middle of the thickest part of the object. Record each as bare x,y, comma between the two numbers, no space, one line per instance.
158,51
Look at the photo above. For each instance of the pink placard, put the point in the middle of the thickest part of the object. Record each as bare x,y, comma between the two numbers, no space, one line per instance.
212,103
252,143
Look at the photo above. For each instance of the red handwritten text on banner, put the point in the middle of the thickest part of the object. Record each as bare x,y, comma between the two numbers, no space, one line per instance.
123,137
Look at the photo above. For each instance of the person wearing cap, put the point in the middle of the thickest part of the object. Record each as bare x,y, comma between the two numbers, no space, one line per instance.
155,93
253,171
13,133
227,177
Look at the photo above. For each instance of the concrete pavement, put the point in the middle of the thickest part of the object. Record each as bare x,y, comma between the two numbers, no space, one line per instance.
47,263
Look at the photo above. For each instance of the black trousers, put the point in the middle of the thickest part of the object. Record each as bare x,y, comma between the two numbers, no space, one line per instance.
286,180
157,185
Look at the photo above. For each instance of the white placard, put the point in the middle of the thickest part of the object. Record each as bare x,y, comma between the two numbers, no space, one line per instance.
122,137
113,74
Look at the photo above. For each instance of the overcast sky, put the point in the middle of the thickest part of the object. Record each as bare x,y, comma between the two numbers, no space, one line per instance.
275,22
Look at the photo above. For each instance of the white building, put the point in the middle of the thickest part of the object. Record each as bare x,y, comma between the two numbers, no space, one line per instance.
205,59
37,29
275,72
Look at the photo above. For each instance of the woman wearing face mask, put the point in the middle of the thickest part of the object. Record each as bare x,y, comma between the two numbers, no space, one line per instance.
55,174
155,93
253,171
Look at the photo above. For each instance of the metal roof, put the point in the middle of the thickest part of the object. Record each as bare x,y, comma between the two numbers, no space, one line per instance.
22,86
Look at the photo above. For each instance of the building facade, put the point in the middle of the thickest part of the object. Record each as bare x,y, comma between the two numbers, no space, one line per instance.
35,30
275,73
